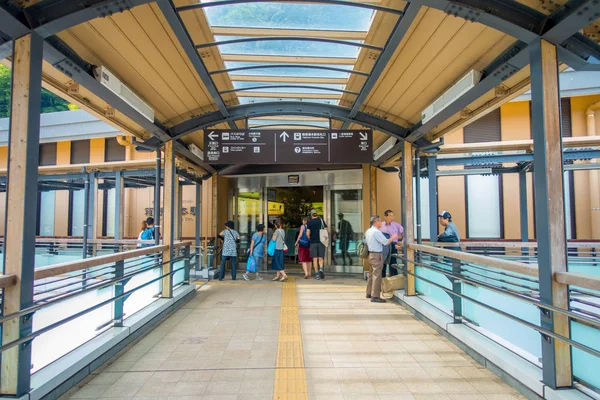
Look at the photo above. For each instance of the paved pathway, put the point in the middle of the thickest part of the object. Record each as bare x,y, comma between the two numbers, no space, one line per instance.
303,339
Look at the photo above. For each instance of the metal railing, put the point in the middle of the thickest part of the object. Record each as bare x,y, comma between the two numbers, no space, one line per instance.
501,297
95,293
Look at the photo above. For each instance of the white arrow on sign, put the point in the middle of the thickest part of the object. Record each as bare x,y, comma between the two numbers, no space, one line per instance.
363,136
212,135
284,135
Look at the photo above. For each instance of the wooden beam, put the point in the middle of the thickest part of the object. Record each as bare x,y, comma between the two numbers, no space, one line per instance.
288,79
289,59
550,209
311,33
7,281
582,280
169,213
19,248
408,215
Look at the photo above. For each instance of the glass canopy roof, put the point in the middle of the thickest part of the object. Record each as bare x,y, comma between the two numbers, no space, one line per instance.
275,51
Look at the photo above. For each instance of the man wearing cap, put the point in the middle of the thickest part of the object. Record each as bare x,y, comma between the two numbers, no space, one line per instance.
450,234
375,240
229,251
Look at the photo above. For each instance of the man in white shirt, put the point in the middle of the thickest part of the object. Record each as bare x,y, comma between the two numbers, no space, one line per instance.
375,240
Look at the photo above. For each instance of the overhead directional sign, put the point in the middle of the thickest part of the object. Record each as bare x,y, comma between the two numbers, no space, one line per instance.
288,146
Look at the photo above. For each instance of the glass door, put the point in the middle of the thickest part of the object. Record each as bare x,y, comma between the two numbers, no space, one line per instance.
346,228
247,215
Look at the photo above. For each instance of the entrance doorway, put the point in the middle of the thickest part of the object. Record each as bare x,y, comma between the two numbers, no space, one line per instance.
264,200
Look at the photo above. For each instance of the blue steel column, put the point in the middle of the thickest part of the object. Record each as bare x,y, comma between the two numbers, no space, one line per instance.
157,200
550,210
523,208
418,195
433,212
198,224
118,214
89,213
21,198
86,216
119,265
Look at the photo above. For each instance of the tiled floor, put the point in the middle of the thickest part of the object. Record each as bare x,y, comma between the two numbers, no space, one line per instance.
223,345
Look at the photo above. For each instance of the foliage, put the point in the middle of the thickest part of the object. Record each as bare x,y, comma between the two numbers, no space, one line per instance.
50,102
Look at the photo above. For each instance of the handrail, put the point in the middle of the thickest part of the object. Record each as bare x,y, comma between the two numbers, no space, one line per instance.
513,266
567,278
7,281
576,279
62,268
532,245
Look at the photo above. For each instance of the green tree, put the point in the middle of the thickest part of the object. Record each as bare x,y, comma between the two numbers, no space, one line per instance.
50,102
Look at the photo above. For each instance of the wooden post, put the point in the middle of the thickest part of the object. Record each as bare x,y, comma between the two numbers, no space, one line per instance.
407,214
21,203
550,209
373,197
169,215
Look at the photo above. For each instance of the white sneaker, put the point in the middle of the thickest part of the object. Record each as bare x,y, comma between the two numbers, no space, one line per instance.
245,277
258,278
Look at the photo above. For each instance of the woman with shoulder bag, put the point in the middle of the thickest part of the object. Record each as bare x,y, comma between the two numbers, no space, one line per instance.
229,250
303,245
277,260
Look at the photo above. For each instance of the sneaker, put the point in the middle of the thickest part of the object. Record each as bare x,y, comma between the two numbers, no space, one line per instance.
245,276
377,300
258,278
317,276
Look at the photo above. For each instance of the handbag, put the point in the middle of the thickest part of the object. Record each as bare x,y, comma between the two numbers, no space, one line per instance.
391,284
303,241
323,234
362,250
271,248
285,248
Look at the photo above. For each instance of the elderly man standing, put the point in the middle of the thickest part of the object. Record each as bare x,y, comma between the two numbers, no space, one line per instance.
375,240
390,227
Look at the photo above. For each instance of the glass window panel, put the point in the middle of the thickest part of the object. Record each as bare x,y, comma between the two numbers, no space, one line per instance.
483,199
110,212
289,71
291,16
250,100
244,84
348,228
288,48
47,213
424,201
324,124
78,211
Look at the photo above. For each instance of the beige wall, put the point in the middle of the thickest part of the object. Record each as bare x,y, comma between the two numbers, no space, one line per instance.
515,125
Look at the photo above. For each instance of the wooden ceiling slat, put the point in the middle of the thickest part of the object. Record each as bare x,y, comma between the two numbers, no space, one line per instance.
288,59
425,55
424,30
470,58
313,33
86,36
444,62
158,54
157,29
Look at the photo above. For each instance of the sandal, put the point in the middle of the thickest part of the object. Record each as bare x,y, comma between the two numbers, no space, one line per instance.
275,279
283,279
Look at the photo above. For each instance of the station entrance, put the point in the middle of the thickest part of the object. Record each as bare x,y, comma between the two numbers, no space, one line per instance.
289,198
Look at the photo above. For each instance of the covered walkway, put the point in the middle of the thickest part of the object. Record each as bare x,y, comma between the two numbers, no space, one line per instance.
297,340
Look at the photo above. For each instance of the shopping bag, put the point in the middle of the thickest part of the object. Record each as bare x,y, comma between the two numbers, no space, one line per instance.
271,248
324,235
391,284
285,248
251,264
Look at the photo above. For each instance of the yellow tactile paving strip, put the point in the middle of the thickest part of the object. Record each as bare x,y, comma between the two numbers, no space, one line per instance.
290,376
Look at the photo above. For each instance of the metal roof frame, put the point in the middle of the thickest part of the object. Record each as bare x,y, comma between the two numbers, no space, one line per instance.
290,87
306,66
289,38
509,16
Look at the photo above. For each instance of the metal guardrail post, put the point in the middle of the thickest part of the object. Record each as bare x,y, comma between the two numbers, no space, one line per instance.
187,264
119,289
456,288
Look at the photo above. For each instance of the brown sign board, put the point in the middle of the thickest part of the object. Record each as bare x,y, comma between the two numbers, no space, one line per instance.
288,146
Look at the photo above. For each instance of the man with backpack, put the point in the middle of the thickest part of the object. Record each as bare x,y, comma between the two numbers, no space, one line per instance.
375,240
